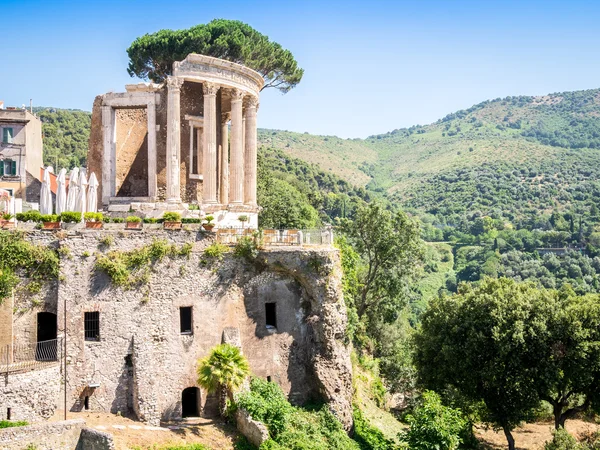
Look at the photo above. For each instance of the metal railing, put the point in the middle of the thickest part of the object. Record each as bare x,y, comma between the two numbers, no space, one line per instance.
22,357
272,237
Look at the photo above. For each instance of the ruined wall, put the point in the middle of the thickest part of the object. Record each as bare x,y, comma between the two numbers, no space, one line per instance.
132,152
31,396
6,323
96,146
142,362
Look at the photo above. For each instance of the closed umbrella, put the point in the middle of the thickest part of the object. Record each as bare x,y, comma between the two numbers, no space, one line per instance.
46,193
81,195
73,189
92,201
61,191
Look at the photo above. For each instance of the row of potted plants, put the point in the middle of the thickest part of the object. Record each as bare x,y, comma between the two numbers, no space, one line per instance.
170,220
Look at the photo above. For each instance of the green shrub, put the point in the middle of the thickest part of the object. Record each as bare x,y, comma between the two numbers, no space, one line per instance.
191,220
193,207
186,249
215,250
369,437
70,217
49,218
29,216
562,440
172,217
107,240
246,248
209,219
133,219
7,216
151,220
433,425
10,424
118,220
93,217
106,219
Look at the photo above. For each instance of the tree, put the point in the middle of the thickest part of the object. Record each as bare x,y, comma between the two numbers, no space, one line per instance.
283,205
151,56
486,343
224,370
391,252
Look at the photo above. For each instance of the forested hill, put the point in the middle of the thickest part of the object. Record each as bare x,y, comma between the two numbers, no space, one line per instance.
520,154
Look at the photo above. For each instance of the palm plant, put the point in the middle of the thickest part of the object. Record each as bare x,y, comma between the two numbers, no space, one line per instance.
223,371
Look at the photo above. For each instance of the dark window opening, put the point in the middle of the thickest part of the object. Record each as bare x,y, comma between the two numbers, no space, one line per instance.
270,315
190,401
92,326
185,320
86,402
45,349
269,378
128,361
8,413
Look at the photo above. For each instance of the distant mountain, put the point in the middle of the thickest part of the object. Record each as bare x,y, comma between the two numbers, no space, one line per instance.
517,156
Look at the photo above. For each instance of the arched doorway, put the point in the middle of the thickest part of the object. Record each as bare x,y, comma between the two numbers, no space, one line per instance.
46,337
190,402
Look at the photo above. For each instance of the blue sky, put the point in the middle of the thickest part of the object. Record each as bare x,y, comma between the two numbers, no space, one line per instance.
370,67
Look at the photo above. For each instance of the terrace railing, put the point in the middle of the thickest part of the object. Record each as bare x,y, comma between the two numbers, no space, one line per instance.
23,357
272,237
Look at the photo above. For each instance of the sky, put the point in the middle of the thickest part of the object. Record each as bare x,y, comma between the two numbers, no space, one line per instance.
370,66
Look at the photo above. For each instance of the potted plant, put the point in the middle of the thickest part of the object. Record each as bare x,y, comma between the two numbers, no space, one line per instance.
70,219
172,221
50,222
133,223
7,221
208,226
93,219
243,219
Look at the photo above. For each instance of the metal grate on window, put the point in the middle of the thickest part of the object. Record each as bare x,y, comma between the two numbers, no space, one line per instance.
92,326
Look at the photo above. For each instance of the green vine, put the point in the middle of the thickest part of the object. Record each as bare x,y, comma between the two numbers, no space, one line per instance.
19,257
132,268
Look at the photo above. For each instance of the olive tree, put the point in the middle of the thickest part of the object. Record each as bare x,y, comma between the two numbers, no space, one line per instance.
151,56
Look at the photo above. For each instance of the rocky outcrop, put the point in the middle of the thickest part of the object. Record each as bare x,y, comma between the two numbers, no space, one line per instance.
319,274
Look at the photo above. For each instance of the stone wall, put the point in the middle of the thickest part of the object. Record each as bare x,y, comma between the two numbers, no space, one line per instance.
132,152
91,439
44,436
31,396
142,362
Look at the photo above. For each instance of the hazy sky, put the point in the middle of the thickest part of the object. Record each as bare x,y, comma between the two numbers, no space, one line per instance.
370,66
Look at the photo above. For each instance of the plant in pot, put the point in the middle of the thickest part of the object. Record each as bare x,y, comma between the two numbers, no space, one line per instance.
93,219
208,226
172,221
7,220
243,219
133,223
50,222
70,219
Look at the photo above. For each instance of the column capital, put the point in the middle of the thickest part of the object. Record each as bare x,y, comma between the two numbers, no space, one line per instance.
237,95
210,88
225,117
251,101
174,83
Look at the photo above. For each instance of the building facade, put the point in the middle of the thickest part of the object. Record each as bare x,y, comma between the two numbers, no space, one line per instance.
191,140
20,153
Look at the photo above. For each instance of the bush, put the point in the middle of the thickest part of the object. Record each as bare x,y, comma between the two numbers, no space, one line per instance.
93,217
49,218
209,219
118,220
151,220
369,437
191,220
215,250
9,424
246,248
172,217
133,219
29,216
562,440
433,425
70,217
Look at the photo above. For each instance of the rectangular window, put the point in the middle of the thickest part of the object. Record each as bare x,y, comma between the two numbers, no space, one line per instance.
185,320
270,315
7,135
9,167
92,326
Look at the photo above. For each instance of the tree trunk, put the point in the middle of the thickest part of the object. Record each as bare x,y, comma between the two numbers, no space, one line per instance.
509,438
222,401
557,411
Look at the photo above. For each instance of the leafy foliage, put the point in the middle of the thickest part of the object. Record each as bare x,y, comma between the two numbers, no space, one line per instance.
246,248
151,56
434,426
369,437
10,424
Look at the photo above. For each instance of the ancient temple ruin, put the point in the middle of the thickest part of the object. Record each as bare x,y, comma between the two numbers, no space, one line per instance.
191,140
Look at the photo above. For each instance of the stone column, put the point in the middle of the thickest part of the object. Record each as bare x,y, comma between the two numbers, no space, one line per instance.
173,140
152,150
236,185
250,152
109,162
224,158
209,170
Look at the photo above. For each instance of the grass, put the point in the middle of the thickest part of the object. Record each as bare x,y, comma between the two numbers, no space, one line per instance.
10,424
